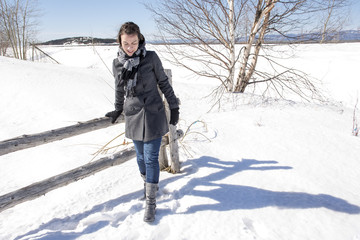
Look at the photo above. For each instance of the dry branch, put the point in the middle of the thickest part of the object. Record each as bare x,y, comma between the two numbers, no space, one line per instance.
47,55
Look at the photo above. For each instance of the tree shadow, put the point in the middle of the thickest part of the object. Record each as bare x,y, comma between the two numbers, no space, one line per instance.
227,197
234,196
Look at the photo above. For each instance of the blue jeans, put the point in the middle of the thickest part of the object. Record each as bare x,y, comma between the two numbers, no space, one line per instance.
147,154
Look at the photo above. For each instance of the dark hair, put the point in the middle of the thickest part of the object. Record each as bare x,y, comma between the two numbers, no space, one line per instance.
130,28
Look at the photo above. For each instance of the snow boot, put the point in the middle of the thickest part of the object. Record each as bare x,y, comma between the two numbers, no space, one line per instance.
151,189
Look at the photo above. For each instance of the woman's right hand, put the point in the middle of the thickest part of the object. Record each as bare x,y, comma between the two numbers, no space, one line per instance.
113,115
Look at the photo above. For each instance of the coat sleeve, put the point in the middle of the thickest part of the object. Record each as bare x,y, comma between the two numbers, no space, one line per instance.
119,87
164,83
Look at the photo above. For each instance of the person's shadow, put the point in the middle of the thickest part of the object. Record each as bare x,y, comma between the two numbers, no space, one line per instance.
227,197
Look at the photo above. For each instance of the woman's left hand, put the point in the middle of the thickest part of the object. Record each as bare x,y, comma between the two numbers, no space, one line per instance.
174,116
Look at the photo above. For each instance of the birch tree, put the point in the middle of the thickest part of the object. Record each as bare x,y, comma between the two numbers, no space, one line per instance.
259,28
210,30
18,22
4,43
333,19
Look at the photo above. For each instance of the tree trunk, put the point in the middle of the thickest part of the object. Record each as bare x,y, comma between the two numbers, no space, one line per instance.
324,32
247,65
24,30
232,45
241,81
254,59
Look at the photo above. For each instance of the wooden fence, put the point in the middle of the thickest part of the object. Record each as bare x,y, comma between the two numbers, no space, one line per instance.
40,188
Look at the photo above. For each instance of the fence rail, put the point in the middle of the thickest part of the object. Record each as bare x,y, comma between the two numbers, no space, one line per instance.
33,140
41,188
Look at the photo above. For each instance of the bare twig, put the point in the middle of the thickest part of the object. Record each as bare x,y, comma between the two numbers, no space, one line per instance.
102,149
355,130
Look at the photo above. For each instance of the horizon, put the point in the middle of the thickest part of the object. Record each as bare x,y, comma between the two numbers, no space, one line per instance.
67,19
269,39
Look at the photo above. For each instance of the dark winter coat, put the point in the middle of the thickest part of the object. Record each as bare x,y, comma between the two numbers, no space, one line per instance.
145,118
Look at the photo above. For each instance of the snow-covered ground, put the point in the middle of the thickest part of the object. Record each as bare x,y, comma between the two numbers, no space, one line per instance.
256,169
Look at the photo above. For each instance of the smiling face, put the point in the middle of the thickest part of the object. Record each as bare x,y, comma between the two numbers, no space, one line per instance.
129,43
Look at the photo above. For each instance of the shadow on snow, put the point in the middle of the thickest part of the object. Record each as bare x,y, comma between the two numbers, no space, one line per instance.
234,196
227,196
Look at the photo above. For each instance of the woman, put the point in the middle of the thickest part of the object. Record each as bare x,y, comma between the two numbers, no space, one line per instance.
138,74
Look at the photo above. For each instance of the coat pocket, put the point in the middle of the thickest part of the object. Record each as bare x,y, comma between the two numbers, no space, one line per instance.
132,106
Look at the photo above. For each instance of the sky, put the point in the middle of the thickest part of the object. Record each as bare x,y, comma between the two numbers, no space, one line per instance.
94,18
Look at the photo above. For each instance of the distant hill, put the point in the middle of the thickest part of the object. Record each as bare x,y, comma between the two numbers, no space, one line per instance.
343,36
80,40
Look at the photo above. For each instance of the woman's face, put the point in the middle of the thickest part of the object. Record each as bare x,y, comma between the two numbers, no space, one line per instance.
129,43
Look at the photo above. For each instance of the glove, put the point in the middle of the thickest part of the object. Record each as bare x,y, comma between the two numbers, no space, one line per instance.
174,116
113,115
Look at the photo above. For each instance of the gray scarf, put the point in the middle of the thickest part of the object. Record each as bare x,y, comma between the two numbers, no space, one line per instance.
130,67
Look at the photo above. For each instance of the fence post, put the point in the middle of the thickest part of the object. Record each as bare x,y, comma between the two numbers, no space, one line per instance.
171,138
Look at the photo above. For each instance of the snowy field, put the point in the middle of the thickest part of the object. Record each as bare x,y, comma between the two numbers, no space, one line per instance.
258,168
